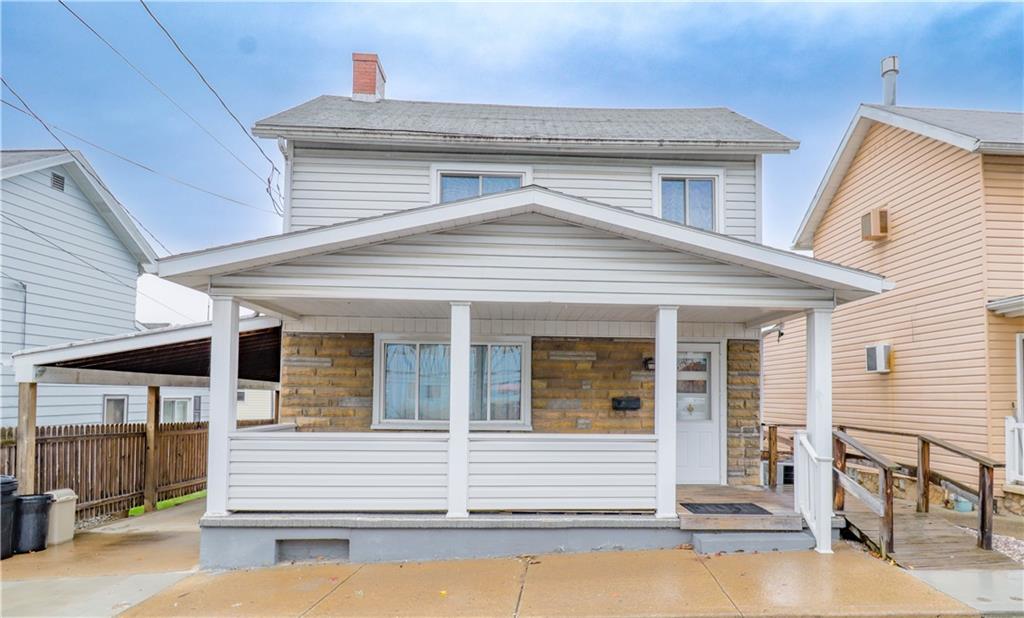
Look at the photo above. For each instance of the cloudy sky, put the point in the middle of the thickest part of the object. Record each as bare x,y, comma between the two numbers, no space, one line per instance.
800,69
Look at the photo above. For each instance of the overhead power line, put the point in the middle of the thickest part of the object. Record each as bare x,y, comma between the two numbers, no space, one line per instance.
273,166
142,165
167,96
83,164
112,277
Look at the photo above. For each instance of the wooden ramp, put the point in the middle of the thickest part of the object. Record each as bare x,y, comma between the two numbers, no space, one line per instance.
926,540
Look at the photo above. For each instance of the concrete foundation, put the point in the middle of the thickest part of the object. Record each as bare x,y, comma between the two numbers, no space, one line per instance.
263,540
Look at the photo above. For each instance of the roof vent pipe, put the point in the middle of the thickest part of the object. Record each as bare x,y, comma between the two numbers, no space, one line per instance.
890,69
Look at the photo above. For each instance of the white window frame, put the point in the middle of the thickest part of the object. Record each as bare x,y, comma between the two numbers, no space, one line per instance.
379,422
104,410
715,174
470,169
188,408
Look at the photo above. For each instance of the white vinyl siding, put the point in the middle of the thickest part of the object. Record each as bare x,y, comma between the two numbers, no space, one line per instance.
537,472
63,299
332,187
408,471
527,258
386,471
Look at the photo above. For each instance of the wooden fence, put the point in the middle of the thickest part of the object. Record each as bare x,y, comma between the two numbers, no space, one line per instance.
105,465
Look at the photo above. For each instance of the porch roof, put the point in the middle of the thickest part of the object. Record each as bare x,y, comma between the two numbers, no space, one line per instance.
203,269
172,356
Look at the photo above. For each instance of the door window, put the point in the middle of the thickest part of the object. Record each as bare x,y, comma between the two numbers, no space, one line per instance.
693,386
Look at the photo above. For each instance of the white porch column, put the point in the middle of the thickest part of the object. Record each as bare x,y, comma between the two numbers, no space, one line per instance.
819,419
665,374
223,401
458,412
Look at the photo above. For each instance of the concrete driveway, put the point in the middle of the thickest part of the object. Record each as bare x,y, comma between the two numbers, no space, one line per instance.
146,567
107,569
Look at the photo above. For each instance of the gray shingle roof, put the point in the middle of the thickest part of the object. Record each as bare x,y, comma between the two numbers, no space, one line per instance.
521,123
10,158
982,125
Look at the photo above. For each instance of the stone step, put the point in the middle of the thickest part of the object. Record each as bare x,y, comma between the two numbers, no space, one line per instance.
735,542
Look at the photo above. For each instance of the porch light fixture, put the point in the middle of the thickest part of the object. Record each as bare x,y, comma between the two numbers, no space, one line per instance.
649,363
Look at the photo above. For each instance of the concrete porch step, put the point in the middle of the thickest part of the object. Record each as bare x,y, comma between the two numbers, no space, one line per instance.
748,542
778,522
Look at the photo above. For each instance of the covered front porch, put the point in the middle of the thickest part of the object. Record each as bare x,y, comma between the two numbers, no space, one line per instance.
524,353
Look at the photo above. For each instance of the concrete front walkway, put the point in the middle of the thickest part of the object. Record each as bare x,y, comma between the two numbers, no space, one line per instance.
146,566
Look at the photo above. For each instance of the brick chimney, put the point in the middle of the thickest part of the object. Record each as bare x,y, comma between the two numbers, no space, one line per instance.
367,77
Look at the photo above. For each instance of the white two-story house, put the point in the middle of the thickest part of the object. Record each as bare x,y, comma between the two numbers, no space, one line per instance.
506,330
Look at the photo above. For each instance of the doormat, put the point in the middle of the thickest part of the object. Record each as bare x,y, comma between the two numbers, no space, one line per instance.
724,508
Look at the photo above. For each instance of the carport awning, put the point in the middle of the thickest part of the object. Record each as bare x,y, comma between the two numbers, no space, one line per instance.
173,356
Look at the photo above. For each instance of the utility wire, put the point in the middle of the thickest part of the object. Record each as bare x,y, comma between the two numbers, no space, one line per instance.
83,164
92,266
273,166
168,97
142,165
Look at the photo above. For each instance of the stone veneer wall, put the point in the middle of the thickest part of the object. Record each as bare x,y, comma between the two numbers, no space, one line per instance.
575,379
327,381
327,385
743,387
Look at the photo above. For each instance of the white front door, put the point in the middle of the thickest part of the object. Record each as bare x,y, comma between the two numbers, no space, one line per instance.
698,410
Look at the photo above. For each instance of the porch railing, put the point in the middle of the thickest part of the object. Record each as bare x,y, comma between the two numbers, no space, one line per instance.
560,472
384,471
811,498
274,469
881,505
1014,450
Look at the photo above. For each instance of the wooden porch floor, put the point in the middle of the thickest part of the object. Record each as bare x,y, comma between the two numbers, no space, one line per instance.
934,540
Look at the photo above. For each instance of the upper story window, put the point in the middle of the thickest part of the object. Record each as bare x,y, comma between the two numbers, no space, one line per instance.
460,186
459,181
412,389
691,196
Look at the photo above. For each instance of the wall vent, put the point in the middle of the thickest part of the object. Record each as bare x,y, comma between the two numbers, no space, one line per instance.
56,181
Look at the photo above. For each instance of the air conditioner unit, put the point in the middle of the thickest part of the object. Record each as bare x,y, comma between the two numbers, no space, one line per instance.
875,224
876,358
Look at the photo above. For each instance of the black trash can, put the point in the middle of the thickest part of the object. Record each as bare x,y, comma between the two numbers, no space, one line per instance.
32,523
8,489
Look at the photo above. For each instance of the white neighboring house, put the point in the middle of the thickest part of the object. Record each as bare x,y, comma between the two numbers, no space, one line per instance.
505,330
70,257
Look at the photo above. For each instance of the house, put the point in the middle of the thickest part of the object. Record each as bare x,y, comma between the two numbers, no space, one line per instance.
934,200
70,256
506,330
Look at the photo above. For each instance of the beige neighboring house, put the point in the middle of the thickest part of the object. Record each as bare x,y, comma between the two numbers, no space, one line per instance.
948,185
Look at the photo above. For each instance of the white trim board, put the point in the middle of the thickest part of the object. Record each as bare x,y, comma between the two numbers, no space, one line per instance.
196,269
692,331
